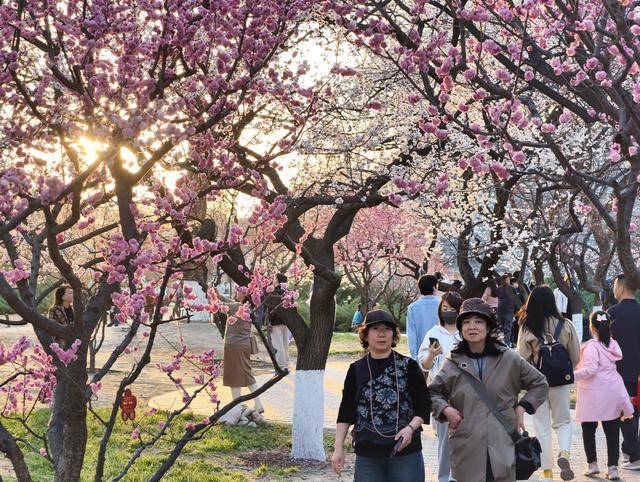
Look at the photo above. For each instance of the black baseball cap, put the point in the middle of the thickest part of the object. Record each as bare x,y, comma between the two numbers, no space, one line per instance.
379,316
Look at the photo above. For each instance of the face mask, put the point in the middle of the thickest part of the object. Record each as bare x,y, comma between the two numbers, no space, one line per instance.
449,317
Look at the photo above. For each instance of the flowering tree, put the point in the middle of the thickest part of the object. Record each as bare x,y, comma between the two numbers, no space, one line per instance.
529,87
113,100
515,90
379,244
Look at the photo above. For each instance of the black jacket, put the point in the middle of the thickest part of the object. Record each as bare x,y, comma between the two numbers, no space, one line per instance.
626,331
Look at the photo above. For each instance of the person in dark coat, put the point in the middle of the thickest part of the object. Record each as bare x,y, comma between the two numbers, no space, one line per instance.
385,398
626,331
508,304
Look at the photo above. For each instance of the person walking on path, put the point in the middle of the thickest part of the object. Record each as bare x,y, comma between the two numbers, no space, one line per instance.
522,290
602,396
437,344
538,321
422,314
237,353
481,449
626,331
278,331
508,304
62,310
490,295
356,321
385,397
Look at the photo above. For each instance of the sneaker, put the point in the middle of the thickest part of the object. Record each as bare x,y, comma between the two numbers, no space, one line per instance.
592,469
565,467
631,465
625,457
612,473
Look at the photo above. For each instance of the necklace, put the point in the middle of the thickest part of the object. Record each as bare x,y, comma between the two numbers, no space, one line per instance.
395,369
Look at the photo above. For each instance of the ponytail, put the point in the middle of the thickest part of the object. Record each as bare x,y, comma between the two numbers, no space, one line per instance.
601,321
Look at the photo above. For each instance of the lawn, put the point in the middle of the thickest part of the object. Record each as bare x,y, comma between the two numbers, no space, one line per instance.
224,454
349,344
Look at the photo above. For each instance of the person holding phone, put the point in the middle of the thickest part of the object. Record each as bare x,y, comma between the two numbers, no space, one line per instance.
385,398
437,344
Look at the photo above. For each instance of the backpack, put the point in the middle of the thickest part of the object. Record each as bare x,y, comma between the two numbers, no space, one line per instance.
554,361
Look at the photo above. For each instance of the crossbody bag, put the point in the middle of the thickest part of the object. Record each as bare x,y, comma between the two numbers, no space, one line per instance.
527,448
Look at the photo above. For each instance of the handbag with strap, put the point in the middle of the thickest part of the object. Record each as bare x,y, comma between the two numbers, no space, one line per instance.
554,361
527,448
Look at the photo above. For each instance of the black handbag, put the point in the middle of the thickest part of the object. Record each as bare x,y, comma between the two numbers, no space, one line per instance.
527,448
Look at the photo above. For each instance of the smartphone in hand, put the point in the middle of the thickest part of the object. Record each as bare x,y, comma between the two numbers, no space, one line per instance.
434,342
396,448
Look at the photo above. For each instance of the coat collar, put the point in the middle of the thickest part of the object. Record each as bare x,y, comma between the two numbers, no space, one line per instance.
462,361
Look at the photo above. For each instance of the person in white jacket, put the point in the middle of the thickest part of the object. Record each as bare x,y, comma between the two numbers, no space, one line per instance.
435,347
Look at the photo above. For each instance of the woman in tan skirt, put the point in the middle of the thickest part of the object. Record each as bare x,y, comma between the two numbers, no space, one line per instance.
237,355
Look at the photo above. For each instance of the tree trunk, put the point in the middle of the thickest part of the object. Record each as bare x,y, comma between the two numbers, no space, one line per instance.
92,360
96,342
308,416
576,302
68,425
538,273
308,405
9,446
577,317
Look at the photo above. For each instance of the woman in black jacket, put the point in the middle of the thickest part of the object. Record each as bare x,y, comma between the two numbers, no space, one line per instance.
385,398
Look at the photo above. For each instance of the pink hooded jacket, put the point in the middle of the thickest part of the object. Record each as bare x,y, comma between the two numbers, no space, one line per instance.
601,392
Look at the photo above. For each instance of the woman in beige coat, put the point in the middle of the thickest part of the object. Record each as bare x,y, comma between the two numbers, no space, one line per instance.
481,449
538,320
236,361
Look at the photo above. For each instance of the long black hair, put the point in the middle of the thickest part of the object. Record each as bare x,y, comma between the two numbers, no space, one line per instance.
493,287
540,306
601,321
59,293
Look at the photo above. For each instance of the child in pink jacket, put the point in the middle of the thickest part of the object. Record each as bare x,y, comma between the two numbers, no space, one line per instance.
602,396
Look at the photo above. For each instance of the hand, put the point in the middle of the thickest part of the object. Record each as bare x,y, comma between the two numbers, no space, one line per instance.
406,434
520,418
337,460
435,350
454,417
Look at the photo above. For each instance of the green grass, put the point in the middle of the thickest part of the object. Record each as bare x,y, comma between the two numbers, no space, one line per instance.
349,344
202,460
345,338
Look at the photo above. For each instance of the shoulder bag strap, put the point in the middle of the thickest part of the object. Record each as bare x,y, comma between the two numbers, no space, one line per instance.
475,384
559,326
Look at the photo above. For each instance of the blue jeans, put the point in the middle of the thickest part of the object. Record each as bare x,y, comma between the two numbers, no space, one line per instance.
403,468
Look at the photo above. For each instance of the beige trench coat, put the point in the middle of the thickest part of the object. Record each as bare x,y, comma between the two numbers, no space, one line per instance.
480,433
529,345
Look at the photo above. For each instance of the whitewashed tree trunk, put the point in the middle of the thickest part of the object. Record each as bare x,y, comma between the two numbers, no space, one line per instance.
577,324
308,416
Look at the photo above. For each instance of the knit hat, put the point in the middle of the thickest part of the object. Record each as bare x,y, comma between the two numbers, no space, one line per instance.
476,306
378,316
